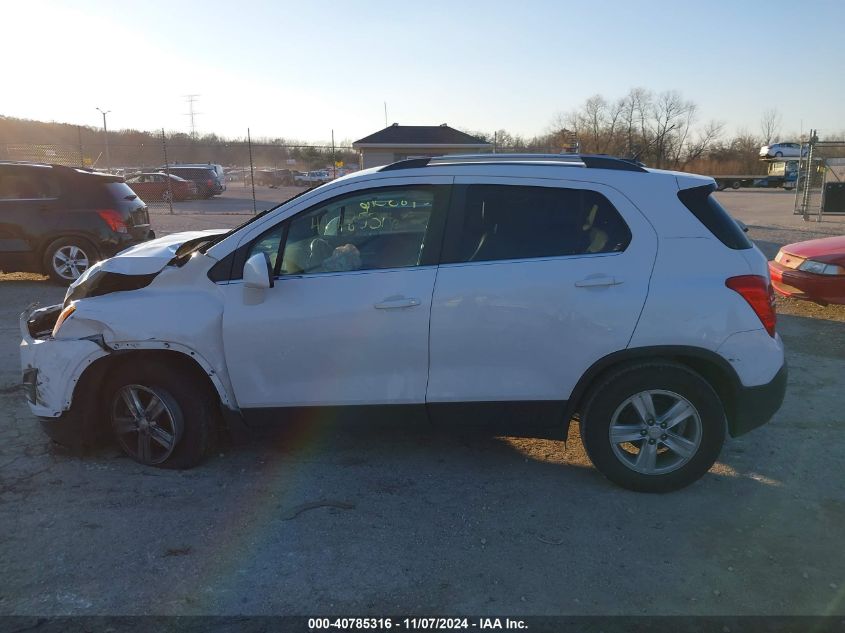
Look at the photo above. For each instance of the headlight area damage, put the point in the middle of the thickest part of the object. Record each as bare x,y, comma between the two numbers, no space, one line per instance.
68,351
51,369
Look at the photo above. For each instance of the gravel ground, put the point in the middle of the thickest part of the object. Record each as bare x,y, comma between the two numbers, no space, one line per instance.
401,519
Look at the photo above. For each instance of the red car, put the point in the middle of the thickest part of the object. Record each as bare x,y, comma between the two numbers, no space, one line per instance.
812,270
153,186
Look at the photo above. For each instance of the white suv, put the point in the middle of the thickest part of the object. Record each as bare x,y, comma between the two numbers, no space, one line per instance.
495,287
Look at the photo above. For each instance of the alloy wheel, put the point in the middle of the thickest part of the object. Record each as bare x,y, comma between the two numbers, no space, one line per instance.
655,432
146,422
70,262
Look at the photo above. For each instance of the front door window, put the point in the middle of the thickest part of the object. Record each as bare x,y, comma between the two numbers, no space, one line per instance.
372,230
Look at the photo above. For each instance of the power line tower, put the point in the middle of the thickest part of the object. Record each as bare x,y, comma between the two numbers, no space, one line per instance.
191,113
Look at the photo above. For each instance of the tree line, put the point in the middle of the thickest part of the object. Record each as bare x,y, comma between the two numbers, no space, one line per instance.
661,129
23,139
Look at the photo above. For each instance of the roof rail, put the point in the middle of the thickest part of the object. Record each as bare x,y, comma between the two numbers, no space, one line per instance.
408,163
509,158
591,161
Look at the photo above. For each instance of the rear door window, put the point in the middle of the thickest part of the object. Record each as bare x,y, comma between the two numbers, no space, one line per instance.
505,222
708,211
28,183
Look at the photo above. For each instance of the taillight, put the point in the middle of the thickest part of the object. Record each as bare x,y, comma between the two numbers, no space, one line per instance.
757,291
210,183
113,219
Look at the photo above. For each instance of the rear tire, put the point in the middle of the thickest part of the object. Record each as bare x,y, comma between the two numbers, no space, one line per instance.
736,184
653,426
66,258
160,416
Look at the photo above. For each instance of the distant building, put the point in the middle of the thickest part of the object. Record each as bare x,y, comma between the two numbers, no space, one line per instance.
398,142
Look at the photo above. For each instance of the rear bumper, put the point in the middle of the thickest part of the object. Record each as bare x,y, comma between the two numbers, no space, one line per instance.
798,284
754,406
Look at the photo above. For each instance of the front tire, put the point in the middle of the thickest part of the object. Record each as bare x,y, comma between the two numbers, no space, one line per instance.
160,416
66,258
653,426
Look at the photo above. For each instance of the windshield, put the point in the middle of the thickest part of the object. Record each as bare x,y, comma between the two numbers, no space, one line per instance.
202,247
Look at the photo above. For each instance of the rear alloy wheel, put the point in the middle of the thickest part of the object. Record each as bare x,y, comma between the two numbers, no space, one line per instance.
653,426
67,258
655,431
167,196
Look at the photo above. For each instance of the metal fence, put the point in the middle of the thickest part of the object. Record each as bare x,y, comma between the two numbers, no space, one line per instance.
245,163
820,189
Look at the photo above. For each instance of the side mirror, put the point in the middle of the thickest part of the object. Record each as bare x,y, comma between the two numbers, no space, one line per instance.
258,273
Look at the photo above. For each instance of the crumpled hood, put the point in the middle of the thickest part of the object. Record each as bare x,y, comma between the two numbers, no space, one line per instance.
146,258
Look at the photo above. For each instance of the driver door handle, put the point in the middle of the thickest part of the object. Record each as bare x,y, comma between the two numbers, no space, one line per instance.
393,303
600,280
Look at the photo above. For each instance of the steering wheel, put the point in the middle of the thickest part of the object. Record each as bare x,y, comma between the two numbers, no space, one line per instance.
319,251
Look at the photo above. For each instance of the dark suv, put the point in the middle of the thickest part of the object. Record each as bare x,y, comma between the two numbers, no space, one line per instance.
61,220
209,182
274,177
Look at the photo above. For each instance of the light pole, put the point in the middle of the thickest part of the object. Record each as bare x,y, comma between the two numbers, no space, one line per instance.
106,134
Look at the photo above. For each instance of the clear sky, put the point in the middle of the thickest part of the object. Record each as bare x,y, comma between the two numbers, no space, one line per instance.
298,69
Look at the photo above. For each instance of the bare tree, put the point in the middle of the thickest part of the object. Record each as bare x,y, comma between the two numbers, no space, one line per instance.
661,129
770,124
747,146
594,114
703,141
506,141
634,106
669,121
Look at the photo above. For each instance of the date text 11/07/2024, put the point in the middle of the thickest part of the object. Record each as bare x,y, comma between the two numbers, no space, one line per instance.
425,624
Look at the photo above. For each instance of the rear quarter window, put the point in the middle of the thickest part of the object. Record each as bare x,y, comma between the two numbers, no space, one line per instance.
701,203
193,174
92,192
120,191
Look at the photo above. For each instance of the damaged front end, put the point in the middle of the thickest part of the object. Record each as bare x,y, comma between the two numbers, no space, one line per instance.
52,367
139,265
51,371
119,308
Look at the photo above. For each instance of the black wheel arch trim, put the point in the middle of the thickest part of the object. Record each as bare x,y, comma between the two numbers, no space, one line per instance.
713,368
82,424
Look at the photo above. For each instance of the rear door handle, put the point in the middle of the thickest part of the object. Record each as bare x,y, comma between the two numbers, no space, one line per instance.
600,280
393,303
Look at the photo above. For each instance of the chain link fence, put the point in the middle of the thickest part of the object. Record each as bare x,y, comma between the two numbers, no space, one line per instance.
820,187
155,166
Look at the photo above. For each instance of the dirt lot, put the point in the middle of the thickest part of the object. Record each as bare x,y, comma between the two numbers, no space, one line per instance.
415,521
